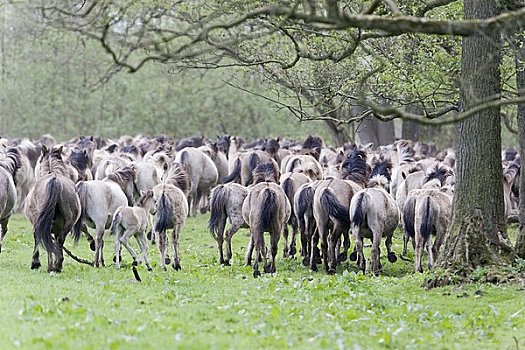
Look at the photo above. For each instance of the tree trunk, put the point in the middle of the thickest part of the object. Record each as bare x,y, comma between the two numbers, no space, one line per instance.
373,130
520,83
478,218
410,130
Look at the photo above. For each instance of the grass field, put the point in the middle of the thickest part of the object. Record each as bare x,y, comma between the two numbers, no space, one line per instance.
207,306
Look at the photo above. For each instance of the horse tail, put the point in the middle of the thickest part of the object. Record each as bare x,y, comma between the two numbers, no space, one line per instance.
184,158
236,172
358,212
409,210
253,161
304,201
268,209
335,209
288,191
44,222
218,200
82,192
427,214
117,218
163,210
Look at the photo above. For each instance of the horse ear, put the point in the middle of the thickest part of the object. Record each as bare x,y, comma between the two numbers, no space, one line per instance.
60,149
44,150
91,138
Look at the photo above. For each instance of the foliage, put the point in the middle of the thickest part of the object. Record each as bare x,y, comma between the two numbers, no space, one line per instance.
209,306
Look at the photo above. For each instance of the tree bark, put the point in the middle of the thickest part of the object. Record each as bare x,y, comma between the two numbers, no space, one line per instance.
520,83
478,218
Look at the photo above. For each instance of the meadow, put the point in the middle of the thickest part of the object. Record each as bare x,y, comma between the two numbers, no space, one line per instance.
208,306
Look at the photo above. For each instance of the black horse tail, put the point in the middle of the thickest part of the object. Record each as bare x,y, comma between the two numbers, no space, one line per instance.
117,218
44,222
409,213
304,201
163,214
267,209
335,209
359,212
293,164
235,175
288,191
218,200
427,217
82,192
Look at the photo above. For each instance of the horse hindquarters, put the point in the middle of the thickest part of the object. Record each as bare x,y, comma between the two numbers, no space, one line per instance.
424,225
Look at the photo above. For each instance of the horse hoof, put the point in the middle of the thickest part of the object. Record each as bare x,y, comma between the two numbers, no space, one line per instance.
331,271
306,261
268,269
35,265
392,257
314,268
256,274
203,210
292,251
226,263
353,256
342,257
176,267
167,261
135,263
149,268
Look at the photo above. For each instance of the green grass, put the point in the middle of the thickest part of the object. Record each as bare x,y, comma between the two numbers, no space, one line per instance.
207,306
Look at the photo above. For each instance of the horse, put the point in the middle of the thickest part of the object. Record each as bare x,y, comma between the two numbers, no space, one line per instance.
170,209
226,203
290,183
202,173
265,209
9,165
374,214
427,211
242,166
331,209
52,206
219,159
80,161
99,200
132,221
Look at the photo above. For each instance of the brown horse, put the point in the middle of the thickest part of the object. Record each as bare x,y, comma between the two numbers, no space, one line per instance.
9,164
265,209
52,207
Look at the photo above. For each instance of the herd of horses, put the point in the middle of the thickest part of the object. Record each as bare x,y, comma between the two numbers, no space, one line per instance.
147,186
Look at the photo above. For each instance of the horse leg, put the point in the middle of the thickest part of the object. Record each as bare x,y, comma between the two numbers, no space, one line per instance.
89,237
117,248
286,249
419,243
313,249
430,253
274,242
220,240
59,257
175,242
162,248
333,239
255,240
388,244
361,262
293,250
143,244
35,262
99,245
376,252
249,250
3,231
405,244
343,256
125,242
236,225
304,238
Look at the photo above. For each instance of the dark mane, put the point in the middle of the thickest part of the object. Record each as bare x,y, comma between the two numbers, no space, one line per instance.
355,168
438,172
179,177
382,167
79,160
265,172
12,161
131,149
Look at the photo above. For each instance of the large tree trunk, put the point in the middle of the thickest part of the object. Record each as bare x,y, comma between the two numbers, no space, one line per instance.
478,214
520,83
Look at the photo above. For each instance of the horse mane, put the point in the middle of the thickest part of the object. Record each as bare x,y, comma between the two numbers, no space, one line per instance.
405,151
355,168
312,142
439,172
178,176
79,160
55,163
122,176
265,172
271,146
144,196
130,149
12,161
377,181
382,167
